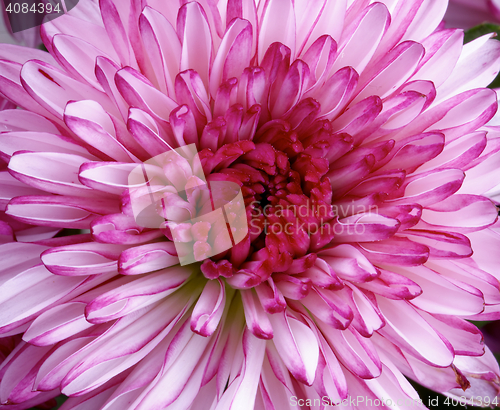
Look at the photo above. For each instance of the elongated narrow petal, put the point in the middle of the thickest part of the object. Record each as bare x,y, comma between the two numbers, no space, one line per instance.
297,346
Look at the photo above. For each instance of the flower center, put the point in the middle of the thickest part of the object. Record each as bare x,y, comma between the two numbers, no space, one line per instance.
288,200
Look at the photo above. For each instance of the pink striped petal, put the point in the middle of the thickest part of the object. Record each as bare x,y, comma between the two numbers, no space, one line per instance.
349,263
336,92
319,57
297,346
257,320
365,228
196,39
208,310
176,375
108,177
116,32
233,55
147,258
121,229
18,54
242,391
462,213
277,25
463,271
460,152
357,353
31,291
15,386
53,89
105,71
442,244
426,21
431,187
165,54
396,250
477,67
145,130
361,38
71,24
323,17
56,324
442,51
11,187
441,296
92,124
408,330
367,316
329,307
39,142
21,120
82,259
58,211
391,71
457,116
136,294
51,172
190,90
13,90
146,329
463,335
322,275
139,92
78,57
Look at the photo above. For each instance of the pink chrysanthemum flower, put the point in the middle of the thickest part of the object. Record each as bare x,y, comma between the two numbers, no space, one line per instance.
356,125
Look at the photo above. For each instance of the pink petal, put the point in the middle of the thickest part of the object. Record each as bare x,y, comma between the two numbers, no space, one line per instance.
39,142
139,92
477,67
361,37
136,294
323,17
82,259
51,172
52,88
257,320
56,324
196,39
21,120
233,55
277,25
208,310
57,211
92,124
408,330
11,187
37,288
297,346
78,57
164,48
147,258
442,51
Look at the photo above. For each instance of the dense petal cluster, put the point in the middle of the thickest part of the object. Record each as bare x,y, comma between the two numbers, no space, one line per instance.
362,139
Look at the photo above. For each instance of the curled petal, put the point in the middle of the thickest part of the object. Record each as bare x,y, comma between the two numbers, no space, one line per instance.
208,310
297,346
147,258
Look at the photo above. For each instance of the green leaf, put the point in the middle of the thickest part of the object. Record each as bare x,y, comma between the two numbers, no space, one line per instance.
481,30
